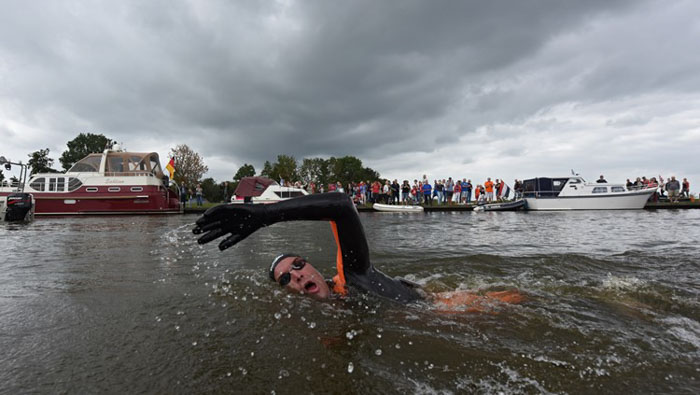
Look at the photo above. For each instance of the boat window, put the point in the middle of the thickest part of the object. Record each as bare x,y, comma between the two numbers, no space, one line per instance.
600,190
61,186
90,163
114,189
136,189
617,189
52,184
556,183
575,181
73,184
137,164
116,164
38,184
288,194
155,164
91,189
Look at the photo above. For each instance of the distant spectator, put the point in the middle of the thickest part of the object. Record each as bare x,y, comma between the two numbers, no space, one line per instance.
673,187
518,189
488,186
405,192
449,190
427,191
686,188
395,189
457,192
198,192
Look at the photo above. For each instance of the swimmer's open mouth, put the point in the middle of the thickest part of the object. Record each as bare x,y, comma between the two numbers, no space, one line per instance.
311,287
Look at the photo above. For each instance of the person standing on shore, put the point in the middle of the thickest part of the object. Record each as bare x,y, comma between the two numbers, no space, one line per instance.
686,188
427,190
458,191
488,185
198,192
673,187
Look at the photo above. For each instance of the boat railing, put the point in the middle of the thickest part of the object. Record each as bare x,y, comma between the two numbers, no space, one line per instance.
11,184
129,174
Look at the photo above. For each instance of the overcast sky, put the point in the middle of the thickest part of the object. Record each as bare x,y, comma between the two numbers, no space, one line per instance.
506,89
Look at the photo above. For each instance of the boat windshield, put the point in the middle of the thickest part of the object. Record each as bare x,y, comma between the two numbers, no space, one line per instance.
90,163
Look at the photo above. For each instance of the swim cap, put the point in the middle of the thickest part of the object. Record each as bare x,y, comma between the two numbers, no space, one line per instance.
276,261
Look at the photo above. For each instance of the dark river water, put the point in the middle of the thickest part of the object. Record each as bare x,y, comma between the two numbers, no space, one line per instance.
134,304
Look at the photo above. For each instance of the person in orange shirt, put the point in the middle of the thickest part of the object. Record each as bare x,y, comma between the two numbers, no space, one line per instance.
488,185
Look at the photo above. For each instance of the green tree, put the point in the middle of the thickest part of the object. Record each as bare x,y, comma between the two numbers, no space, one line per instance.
244,171
82,146
39,162
349,169
189,166
267,169
316,170
285,168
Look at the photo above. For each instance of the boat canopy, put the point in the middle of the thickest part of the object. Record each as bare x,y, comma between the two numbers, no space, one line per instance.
253,186
543,187
120,162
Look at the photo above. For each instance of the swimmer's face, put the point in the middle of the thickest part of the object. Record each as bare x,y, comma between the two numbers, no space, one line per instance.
305,280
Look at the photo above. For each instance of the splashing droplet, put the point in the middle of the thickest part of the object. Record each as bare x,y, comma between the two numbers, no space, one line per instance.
351,367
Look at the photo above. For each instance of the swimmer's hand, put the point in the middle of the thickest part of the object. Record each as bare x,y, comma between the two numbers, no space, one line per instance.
238,220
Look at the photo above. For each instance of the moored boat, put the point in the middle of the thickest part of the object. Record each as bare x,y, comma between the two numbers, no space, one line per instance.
263,190
111,182
514,205
574,193
397,208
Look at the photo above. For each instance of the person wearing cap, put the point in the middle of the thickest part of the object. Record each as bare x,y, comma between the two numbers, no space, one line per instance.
355,272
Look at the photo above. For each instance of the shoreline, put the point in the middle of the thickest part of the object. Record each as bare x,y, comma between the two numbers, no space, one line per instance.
457,208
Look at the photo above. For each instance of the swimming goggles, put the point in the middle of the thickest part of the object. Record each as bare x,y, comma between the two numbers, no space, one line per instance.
285,278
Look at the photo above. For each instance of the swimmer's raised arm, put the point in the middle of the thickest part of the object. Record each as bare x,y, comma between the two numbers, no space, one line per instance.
241,220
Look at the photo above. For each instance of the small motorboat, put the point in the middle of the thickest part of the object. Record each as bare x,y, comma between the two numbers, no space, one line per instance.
397,208
514,205
262,190
574,193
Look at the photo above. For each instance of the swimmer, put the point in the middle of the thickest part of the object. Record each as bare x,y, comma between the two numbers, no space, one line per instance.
355,271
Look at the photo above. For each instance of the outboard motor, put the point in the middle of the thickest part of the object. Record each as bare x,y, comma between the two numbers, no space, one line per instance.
19,207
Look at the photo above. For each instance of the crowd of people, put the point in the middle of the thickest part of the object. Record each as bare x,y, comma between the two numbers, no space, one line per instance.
438,192
672,186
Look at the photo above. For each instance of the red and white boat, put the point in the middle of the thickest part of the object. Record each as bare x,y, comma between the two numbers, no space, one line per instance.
113,182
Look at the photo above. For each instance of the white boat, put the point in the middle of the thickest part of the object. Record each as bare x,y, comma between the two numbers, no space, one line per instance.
263,190
397,208
112,182
574,193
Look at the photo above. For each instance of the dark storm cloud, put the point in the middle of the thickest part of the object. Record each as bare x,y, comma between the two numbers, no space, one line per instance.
248,80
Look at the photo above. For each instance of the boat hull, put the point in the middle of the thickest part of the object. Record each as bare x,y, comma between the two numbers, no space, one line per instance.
148,200
505,206
397,208
622,201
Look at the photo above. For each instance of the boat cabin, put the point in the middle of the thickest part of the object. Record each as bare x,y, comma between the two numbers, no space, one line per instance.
543,187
